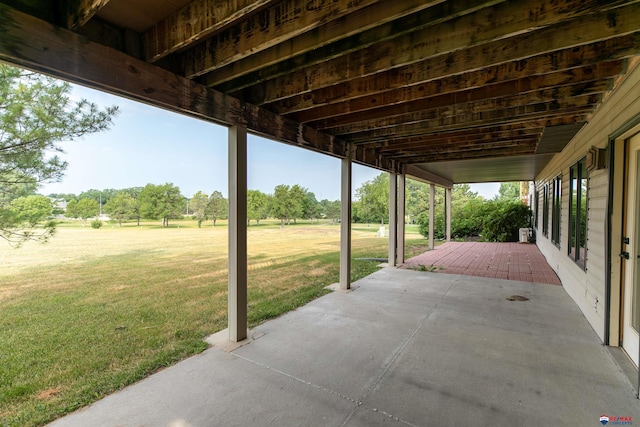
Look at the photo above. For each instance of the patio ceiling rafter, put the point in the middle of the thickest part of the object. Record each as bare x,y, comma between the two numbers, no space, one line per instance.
409,82
454,47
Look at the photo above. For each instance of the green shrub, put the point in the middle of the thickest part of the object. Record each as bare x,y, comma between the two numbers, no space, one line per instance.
495,220
438,225
504,219
96,223
467,220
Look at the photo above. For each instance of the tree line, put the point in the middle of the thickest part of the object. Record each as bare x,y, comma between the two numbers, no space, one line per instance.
496,219
165,202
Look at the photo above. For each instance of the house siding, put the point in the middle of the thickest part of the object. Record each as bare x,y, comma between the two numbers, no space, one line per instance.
587,287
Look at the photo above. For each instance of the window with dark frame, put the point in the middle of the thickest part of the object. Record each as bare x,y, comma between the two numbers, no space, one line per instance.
545,210
578,185
537,209
556,205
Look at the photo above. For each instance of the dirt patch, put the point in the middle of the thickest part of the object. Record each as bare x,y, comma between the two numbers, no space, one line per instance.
49,393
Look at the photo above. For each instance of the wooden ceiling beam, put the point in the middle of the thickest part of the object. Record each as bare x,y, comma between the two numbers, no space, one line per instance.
472,154
381,21
531,126
402,156
424,78
439,93
474,134
456,50
515,115
195,21
533,90
273,25
75,13
404,151
35,44
556,99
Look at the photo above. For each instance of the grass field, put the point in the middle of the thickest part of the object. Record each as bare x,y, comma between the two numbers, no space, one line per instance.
95,310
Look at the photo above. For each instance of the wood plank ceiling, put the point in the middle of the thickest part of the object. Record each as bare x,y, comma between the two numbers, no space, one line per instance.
462,88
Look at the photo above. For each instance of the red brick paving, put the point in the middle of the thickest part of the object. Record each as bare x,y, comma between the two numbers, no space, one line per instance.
511,261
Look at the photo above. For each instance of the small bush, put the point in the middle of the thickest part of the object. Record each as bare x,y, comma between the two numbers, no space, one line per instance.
96,223
495,220
467,220
504,220
438,225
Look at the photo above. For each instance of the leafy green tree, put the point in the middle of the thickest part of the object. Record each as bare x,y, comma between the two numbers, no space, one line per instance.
257,206
218,207
297,196
334,209
310,206
330,209
29,214
509,191
281,202
87,208
198,204
417,199
373,199
100,196
135,192
120,207
36,115
161,202
72,209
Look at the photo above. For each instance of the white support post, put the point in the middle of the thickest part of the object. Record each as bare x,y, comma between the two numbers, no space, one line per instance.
237,299
401,218
393,222
345,225
447,200
432,196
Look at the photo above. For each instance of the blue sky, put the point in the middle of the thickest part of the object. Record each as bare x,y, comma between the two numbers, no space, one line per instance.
150,145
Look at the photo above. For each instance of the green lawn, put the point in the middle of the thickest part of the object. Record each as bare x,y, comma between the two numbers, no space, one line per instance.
95,310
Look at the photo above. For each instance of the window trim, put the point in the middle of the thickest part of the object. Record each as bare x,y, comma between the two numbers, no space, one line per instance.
556,210
576,232
537,209
545,210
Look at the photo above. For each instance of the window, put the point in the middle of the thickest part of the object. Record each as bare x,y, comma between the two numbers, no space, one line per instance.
555,210
537,205
578,183
545,210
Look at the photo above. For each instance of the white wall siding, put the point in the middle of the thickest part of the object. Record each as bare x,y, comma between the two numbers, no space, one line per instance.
587,287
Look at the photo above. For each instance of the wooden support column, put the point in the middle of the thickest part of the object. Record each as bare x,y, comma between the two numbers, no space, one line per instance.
345,224
237,299
393,221
432,196
447,207
401,218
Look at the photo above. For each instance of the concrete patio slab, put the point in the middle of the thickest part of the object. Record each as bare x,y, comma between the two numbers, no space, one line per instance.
406,348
